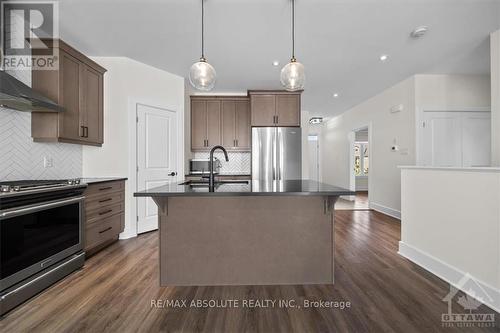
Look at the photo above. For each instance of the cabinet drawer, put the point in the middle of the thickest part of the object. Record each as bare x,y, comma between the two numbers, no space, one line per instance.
101,201
106,229
104,212
104,188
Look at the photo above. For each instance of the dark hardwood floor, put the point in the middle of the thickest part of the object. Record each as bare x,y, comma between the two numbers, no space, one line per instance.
114,291
360,202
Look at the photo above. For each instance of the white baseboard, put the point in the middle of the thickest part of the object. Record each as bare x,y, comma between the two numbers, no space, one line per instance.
386,210
127,234
448,273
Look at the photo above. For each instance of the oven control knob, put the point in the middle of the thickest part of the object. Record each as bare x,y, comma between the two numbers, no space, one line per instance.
71,182
77,181
16,188
5,188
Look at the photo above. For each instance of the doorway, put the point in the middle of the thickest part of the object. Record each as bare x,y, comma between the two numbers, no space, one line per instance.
359,161
313,160
157,158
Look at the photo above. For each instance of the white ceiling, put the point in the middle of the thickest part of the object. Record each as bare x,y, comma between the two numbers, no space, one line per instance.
338,41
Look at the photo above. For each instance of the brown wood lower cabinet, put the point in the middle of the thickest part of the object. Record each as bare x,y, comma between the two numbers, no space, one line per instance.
104,214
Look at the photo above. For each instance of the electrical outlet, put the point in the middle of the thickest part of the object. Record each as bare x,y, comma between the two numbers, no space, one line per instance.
48,162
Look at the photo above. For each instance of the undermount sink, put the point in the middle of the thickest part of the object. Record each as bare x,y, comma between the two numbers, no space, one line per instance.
216,183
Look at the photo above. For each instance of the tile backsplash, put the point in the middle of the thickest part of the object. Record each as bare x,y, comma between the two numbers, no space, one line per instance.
239,162
21,158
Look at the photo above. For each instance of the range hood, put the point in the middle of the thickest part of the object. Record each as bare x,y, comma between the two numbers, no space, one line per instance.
17,96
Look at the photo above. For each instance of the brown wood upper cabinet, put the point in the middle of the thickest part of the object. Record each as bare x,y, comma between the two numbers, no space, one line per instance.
78,87
205,123
275,108
220,120
236,124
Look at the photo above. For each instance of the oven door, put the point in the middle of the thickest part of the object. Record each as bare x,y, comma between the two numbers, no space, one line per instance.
36,236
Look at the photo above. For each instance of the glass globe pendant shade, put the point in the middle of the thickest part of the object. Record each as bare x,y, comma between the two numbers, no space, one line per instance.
293,76
202,75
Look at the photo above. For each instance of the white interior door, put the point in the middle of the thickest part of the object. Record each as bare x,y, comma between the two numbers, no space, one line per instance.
456,139
476,139
442,139
156,158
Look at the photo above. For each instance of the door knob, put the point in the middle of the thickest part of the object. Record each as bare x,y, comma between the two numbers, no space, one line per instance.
172,174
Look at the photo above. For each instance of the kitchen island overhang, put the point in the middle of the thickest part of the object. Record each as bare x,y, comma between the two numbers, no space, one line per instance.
260,233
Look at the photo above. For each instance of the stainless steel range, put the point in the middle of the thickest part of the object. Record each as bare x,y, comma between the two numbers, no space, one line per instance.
41,236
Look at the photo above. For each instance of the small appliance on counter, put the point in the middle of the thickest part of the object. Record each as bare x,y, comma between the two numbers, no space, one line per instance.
201,166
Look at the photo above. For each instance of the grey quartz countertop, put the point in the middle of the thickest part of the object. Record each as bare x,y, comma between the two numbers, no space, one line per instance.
100,180
247,188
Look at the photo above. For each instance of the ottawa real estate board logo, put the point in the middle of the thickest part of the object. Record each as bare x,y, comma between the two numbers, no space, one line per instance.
475,295
29,35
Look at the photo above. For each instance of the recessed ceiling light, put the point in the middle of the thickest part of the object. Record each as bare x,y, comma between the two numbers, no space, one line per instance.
419,32
276,63
336,95
384,57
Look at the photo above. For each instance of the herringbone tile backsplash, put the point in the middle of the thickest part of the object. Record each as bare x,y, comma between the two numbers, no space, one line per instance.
21,158
239,163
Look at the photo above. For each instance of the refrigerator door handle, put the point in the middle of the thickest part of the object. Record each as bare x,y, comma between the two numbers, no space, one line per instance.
281,151
274,154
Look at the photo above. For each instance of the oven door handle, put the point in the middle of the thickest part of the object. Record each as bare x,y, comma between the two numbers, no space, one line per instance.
34,208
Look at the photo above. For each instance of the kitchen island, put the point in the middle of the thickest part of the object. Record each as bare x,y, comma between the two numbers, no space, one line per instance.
246,232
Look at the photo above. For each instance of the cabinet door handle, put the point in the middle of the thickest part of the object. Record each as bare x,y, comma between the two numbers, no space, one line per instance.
277,119
236,142
105,188
104,200
106,211
82,128
107,229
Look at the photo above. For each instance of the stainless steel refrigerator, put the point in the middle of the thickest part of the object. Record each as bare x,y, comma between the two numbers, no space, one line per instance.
276,153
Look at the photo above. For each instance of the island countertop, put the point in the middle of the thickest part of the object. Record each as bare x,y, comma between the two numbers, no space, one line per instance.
247,188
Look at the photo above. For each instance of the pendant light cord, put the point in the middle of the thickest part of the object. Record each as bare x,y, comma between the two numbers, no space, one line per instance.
293,29
202,30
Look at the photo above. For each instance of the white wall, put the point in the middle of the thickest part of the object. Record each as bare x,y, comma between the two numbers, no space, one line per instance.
451,223
448,92
495,98
415,93
386,128
21,158
127,80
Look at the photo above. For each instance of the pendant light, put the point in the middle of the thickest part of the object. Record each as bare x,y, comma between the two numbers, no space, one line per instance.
202,74
293,74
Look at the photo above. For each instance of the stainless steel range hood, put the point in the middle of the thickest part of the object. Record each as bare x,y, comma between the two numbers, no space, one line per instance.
17,96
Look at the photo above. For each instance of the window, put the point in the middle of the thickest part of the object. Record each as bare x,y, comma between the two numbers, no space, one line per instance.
361,159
